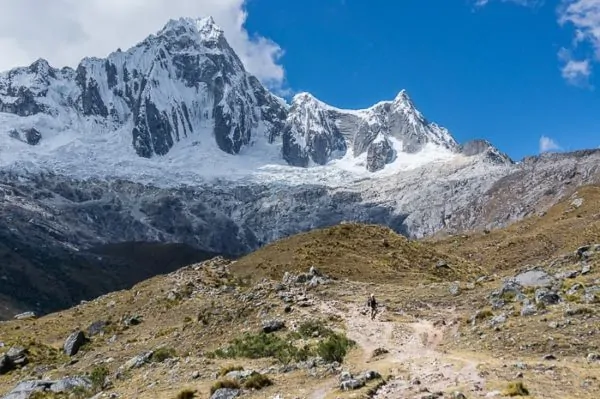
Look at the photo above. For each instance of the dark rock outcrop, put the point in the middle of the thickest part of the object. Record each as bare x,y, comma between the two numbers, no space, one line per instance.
379,154
74,342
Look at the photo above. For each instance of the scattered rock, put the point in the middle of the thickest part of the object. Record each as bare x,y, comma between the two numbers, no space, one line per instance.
345,376
441,264
585,269
138,361
6,364
240,375
132,321
25,316
583,252
25,389
74,342
458,395
534,278
352,384
96,328
225,393
454,289
272,326
195,375
498,320
70,383
593,357
549,357
528,310
287,309
17,356
569,274
575,289
546,297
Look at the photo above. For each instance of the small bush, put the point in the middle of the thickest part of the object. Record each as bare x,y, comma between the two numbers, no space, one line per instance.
258,346
314,327
334,348
379,352
98,377
484,314
162,354
186,394
228,369
229,384
508,296
515,389
258,381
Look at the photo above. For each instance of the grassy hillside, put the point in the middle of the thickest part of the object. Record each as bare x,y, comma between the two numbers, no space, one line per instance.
357,252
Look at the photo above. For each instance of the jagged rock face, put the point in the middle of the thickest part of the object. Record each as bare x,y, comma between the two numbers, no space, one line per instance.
186,84
318,132
401,120
311,133
379,154
178,84
485,148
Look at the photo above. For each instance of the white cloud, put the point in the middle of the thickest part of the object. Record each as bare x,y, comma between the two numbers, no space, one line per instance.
575,72
525,3
584,15
547,144
64,31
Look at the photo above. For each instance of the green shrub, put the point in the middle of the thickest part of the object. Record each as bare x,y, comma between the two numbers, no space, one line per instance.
162,354
230,384
258,381
334,348
258,346
309,328
98,377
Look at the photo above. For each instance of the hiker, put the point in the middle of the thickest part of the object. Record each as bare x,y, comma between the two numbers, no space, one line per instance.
372,303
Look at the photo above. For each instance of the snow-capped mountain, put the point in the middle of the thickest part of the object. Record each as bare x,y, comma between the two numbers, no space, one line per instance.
186,85
174,141
176,85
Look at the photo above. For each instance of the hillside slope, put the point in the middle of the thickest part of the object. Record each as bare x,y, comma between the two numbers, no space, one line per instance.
357,252
465,329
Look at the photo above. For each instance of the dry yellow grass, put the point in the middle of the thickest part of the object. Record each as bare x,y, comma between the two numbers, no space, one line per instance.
562,229
357,252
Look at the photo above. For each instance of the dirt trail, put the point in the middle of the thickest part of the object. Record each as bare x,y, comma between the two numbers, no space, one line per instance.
417,365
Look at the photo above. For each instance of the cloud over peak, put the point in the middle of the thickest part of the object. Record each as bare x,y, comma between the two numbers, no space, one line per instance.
65,31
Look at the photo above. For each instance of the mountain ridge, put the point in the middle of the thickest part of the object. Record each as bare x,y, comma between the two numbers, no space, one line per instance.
186,84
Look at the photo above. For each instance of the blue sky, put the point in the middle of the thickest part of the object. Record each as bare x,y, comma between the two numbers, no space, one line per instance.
497,70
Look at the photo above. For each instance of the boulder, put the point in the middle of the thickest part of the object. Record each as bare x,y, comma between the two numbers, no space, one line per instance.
272,326
352,384
96,328
138,361
25,316
534,278
225,393
74,342
17,356
70,383
546,297
6,364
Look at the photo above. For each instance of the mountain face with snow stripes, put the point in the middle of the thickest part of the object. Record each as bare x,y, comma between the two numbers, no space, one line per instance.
185,84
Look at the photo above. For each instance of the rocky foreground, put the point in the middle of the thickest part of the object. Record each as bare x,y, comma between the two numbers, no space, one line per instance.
207,331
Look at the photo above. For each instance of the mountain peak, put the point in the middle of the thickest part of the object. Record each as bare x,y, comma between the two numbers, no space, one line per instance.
205,27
